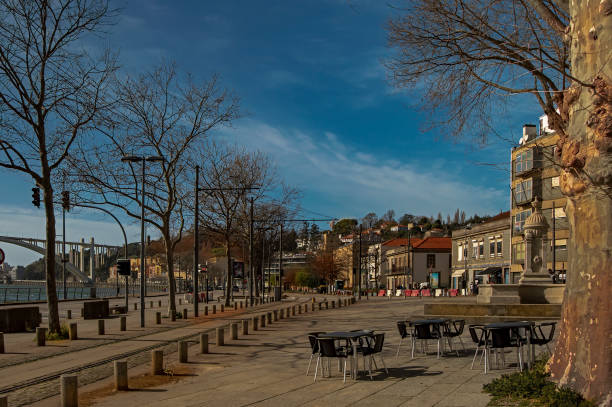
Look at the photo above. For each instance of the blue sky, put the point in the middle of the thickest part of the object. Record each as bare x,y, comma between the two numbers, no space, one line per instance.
315,97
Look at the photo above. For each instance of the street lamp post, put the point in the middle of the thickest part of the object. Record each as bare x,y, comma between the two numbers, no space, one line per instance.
142,160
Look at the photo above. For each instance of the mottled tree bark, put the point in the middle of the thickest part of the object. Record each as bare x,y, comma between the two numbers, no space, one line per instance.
583,354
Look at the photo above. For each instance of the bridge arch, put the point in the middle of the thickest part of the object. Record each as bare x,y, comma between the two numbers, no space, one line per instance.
69,266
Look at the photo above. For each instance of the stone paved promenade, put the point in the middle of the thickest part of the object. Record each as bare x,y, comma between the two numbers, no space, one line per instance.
268,367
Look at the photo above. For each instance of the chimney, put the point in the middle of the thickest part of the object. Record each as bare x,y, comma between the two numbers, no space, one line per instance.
529,132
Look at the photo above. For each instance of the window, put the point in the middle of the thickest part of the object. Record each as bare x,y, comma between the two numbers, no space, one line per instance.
474,249
481,249
459,252
491,246
431,261
499,247
559,213
523,191
524,161
518,251
555,181
520,218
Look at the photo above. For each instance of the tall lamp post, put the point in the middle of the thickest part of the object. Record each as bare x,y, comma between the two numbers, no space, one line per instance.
142,160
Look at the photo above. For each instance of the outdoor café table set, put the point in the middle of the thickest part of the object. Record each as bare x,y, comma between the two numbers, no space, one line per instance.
346,345
490,337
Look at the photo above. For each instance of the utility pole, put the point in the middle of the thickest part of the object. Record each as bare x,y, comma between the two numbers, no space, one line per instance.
359,263
280,262
142,250
196,244
251,257
554,242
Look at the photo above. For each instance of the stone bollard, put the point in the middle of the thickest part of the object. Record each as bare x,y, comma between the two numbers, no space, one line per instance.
326,304
275,315
135,306
288,313
180,301
1,342
333,304
69,390
203,343
122,324
222,307
220,338
183,351
262,321
206,310
159,303
281,313
269,318
254,323
100,327
68,314
299,309
339,302
214,309
240,304
234,328
41,336
121,375
235,306
293,310
320,306
184,313
158,318
157,362
3,401
172,316
312,308
72,331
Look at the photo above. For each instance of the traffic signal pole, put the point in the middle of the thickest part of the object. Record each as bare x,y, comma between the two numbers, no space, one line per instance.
196,244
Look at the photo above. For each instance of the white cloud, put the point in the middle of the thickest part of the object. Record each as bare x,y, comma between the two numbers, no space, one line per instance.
336,175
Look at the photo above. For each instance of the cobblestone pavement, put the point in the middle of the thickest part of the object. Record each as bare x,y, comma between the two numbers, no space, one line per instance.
268,367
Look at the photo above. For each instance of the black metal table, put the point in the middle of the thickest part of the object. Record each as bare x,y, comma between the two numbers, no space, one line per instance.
526,325
353,338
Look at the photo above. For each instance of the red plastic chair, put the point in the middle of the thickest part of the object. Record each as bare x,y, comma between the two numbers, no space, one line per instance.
426,293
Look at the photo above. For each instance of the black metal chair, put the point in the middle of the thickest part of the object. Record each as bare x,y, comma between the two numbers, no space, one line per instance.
479,337
375,349
402,328
425,332
314,347
539,338
454,329
327,349
502,338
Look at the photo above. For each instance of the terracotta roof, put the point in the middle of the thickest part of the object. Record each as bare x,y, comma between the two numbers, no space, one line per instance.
434,243
402,241
502,215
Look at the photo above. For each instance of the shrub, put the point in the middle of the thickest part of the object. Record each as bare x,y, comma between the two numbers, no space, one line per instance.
57,336
533,388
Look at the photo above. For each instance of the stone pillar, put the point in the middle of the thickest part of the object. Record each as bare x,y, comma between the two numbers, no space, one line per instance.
92,256
72,331
121,375
157,362
245,326
269,318
100,327
1,342
158,318
262,321
41,336
206,310
235,306
234,330
254,322
275,315
82,256
69,391
122,324
203,343
214,309
184,313
183,351
222,307
220,336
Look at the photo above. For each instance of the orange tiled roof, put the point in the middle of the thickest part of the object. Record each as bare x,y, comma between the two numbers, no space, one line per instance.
434,243
402,241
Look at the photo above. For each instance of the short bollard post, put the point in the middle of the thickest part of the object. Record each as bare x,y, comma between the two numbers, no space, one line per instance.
41,336
222,307
68,314
214,309
300,309
180,301
234,331
203,343
1,342
159,303
172,315
3,401
100,327
72,331
69,390
122,324
320,306
275,315
312,308
262,321
293,310
158,318
339,303
255,322
135,306
184,313
235,306
240,304
121,375
220,337
206,310
157,362
289,312
182,351
269,317
281,313
245,326
333,304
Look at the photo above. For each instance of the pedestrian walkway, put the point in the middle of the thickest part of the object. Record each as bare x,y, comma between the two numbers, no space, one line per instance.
268,366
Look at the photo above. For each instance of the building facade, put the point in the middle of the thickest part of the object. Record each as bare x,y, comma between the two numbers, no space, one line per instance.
482,252
534,173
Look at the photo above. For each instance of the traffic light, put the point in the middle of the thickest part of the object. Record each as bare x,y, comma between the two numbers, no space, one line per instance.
123,267
66,200
36,197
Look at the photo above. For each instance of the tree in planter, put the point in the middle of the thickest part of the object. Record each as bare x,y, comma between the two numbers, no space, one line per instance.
157,113
50,92
471,55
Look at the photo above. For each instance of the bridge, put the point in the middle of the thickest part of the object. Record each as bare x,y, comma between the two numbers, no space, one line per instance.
75,252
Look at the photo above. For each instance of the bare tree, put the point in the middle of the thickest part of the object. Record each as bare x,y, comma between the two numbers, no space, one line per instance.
471,55
158,113
51,91
231,176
